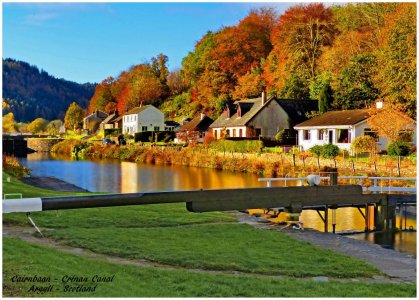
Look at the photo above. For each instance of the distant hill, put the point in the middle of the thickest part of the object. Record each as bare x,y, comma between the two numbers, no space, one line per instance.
33,93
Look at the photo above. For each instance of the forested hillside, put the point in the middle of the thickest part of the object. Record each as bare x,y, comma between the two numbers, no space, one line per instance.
31,93
346,55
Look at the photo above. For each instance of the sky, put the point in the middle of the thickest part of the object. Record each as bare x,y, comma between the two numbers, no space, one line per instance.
87,42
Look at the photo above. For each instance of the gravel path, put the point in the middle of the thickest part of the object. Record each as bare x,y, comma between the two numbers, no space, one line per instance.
399,267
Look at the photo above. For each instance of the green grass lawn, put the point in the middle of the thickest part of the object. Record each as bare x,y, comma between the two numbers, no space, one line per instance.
169,234
24,259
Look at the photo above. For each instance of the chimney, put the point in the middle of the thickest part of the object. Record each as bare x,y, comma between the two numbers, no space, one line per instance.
379,104
263,98
202,116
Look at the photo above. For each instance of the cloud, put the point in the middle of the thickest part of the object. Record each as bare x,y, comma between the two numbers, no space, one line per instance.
40,18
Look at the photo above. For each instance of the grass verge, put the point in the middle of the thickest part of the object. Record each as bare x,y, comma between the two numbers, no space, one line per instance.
23,259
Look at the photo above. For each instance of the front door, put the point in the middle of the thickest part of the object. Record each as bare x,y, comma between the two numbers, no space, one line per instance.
330,136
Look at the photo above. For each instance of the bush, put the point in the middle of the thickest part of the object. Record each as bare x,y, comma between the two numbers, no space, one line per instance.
12,166
364,143
316,150
112,131
238,146
398,148
330,151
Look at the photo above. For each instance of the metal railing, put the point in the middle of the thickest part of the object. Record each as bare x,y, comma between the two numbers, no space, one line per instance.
376,187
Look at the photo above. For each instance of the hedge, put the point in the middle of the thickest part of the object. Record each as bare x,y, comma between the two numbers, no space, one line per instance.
154,136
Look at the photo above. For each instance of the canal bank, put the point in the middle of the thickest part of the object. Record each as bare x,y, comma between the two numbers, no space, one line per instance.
398,267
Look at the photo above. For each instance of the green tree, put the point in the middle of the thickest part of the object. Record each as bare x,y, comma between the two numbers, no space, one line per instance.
38,125
356,85
74,116
325,99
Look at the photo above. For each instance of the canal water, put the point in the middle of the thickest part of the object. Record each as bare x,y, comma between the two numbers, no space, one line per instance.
129,177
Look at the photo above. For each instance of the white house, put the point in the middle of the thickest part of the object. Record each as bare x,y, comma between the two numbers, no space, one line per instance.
337,127
142,118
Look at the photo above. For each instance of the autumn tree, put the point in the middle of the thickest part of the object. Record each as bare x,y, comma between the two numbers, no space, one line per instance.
249,85
177,82
397,73
9,123
74,116
299,39
38,125
54,126
102,96
390,122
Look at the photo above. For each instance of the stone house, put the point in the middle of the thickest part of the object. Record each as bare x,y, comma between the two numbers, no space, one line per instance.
92,122
195,130
261,117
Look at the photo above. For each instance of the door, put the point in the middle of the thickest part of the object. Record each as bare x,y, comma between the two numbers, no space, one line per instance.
330,136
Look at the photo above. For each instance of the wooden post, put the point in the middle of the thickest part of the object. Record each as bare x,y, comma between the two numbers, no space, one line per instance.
333,176
398,165
326,219
367,218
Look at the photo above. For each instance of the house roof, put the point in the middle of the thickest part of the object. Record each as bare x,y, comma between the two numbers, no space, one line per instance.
334,118
295,109
97,114
137,110
252,107
110,119
118,119
197,124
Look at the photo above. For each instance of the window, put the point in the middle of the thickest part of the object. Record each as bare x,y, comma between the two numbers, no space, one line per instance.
258,132
234,132
227,132
321,134
372,133
343,136
306,135
144,128
156,128
240,132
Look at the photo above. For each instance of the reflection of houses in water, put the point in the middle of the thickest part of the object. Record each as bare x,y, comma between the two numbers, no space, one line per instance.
129,177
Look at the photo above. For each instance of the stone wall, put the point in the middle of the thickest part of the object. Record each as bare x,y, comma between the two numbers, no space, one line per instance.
42,145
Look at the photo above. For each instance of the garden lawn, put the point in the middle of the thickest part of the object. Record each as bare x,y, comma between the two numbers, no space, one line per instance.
24,259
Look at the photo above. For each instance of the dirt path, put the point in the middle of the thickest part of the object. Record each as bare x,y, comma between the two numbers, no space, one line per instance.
52,183
398,266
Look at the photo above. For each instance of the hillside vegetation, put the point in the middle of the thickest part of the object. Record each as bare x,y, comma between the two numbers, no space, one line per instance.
32,93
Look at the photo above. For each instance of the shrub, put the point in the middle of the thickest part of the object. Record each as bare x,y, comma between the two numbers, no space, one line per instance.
364,143
330,151
12,166
112,131
398,148
316,150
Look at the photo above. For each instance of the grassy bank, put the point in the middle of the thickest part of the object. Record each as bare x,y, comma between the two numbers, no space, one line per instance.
168,234
22,258
266,164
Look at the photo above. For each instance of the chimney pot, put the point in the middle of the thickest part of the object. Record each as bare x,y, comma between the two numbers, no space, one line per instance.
379,104
263,97
202,116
